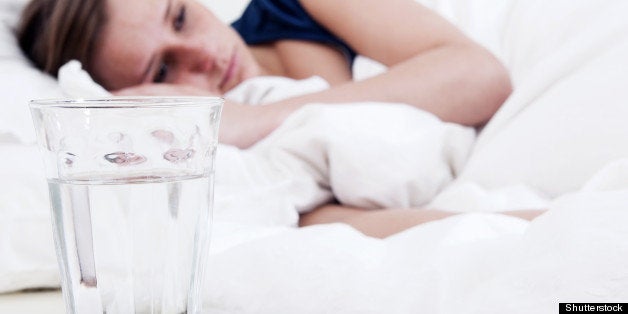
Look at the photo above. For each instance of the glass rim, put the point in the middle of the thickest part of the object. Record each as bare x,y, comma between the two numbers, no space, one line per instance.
121,102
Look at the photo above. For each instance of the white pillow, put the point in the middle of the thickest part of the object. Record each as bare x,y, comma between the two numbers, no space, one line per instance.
227,11
484,21
19,80
567,117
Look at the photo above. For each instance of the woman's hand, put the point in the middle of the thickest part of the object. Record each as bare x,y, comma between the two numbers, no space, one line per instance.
245,125
374,223
386,222
163,90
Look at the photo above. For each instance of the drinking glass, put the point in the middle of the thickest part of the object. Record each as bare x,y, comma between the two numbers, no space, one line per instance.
131,190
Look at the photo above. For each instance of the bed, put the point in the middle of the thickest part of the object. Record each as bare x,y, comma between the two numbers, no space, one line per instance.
557,143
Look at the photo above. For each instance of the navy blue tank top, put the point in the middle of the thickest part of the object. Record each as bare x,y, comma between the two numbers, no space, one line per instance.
265,21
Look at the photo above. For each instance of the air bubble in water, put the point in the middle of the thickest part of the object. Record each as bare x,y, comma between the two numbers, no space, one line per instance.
178,155
68,159
163,136
125,159
116,137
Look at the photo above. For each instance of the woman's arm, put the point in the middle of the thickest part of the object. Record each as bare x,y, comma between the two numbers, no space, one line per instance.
383,223
432,66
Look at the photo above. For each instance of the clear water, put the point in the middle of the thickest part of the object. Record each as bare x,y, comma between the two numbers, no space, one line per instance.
133,245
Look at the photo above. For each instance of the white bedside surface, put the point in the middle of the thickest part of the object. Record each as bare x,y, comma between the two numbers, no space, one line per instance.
45,302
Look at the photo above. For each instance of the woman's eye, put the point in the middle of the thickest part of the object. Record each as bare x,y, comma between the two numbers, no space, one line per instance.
161,74
179,20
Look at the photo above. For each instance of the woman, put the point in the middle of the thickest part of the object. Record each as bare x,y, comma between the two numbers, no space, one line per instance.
166,47
178,46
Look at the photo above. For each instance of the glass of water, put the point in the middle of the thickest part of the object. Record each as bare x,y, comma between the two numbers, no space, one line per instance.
131,190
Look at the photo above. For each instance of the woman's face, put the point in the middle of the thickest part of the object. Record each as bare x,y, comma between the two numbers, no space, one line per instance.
169,41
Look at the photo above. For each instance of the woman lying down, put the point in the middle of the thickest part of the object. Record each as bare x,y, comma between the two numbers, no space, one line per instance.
178,47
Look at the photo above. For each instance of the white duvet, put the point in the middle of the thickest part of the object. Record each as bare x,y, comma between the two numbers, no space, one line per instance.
558,143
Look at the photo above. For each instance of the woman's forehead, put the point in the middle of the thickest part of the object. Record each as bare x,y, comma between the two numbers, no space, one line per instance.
128,40
135,12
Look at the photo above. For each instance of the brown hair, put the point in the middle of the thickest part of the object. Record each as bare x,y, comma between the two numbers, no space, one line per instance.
53,32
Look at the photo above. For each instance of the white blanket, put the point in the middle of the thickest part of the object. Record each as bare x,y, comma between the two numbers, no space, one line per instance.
557,143
371,155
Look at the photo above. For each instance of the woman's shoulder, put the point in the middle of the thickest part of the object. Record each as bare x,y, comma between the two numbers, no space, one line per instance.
276,15
265,21
279,10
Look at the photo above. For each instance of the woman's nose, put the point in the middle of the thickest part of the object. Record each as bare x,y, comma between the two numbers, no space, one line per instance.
196,58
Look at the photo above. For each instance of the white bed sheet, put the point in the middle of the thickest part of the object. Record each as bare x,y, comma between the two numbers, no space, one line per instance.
574,253
49,302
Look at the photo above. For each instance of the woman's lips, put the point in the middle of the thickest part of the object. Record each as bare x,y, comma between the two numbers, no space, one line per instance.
230,72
